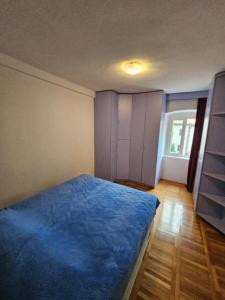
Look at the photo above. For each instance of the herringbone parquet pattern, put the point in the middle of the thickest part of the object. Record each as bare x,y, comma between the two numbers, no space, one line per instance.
185,258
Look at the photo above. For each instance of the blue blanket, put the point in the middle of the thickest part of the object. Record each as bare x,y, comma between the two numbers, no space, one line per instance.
78,240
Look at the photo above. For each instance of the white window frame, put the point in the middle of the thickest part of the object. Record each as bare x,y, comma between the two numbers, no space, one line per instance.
177,115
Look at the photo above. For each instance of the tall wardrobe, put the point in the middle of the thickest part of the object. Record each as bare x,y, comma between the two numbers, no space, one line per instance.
128,136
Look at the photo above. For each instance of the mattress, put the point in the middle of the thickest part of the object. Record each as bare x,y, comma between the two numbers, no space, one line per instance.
78,240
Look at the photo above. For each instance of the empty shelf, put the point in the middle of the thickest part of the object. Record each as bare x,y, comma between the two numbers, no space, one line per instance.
218,199
218,223
216,153
222,113
220,177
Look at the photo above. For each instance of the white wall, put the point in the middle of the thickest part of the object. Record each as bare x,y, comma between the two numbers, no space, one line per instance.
174,169
46,130
176,105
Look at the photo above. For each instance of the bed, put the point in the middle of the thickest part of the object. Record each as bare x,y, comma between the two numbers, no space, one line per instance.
78,240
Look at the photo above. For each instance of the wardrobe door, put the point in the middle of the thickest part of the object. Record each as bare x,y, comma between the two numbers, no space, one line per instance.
137,136
151,137
105,116
102,116
123,142
123,147
114,132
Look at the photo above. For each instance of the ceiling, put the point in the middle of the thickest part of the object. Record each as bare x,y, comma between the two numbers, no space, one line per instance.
85,41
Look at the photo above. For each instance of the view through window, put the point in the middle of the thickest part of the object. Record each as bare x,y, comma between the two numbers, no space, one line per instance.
180,134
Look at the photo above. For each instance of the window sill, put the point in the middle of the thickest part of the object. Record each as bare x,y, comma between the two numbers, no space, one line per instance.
177,157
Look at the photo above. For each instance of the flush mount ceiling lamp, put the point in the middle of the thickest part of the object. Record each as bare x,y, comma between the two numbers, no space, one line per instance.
132,67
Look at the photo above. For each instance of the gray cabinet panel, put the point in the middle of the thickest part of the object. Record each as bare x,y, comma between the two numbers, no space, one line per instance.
123,139
151,137
114,133
102,135
137,136
202,146
124,116
123,159
105,134
219,92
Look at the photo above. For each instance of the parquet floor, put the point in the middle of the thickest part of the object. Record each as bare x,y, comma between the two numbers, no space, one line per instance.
185,258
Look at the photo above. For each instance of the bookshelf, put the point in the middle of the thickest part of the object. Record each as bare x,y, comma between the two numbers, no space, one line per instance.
211,195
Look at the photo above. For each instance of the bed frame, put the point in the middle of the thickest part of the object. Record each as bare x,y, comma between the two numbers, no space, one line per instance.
137,265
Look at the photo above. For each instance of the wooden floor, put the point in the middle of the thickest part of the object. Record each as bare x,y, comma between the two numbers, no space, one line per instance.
185,258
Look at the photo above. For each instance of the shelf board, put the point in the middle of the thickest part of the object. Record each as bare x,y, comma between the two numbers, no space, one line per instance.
218,223
218,199
222,113
216,153
217,176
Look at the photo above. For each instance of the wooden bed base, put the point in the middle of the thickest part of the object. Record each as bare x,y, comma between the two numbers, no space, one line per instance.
137,265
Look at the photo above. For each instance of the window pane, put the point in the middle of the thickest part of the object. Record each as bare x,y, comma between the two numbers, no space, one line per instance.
176,136
188,138
191,121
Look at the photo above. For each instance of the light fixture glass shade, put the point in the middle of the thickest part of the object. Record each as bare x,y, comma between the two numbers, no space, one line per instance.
133,67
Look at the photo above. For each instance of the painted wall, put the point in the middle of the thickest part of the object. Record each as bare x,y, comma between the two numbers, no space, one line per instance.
46,130
174,169
187,95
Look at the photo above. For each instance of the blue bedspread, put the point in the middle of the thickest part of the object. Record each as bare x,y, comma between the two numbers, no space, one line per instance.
78,240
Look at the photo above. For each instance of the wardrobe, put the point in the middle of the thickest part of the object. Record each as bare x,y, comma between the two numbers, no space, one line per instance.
128,131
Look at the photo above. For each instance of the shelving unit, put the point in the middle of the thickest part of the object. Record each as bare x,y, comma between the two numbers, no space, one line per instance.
219,224
218,199
216,153
220,177
211,196
219,113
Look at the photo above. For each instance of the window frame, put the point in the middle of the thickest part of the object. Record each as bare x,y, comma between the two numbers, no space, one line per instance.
178,115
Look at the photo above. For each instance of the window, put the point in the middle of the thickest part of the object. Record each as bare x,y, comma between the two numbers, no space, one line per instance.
180,132
176,133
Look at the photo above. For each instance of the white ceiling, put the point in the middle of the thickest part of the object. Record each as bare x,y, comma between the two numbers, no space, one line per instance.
85,41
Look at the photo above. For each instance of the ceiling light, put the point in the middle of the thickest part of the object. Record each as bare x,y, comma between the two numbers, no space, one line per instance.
132,67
